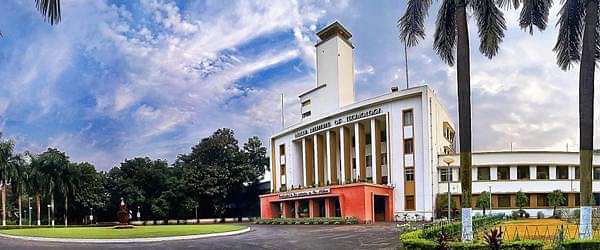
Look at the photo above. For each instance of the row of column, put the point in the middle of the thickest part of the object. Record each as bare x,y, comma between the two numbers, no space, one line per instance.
320,155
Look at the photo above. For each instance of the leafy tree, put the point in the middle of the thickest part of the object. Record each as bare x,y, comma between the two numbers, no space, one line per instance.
483,201
442,203
218,169
555,199
522,200
7,163
36,183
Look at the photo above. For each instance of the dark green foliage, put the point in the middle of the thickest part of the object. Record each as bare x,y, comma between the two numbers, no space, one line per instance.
442,240
475,245
581,244
523,245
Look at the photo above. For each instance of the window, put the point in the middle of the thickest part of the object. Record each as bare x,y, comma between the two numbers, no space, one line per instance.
503,173
409,173
407,118
369,161
367,139
577,172
504,200
577,199
562,172
596,199
383,135
383,158
306,103
306,114
408,146
409,202
522,172
542,200
445,175
483,173
542,173
596,173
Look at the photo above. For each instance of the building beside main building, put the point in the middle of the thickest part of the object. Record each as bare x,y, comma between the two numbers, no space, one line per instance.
382,159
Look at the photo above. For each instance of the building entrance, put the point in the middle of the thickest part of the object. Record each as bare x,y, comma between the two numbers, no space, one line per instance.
380,204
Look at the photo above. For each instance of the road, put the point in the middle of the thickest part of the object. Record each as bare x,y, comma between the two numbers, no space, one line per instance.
378,236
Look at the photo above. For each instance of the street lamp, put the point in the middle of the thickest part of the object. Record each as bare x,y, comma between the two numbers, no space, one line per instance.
138,213
91,215
490,187
197,213
49,206
448,161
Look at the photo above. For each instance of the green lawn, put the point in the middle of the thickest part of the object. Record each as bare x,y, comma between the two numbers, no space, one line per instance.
111,233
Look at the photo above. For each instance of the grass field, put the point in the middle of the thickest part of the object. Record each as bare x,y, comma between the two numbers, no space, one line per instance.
111,233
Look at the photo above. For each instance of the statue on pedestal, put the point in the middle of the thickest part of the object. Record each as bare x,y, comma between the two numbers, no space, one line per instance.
123,216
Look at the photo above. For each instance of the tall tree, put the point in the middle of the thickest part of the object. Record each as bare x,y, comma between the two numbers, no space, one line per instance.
483,201
19,180
578,41
7,161
555,199
452,34
36,184
53,163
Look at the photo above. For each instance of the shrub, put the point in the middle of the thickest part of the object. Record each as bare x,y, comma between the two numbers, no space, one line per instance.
419,244
475,245
523,245
581,244
493,238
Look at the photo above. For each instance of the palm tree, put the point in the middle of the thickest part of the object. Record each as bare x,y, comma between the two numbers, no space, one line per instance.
578,42
452,36
7,160
20,170
52,164
50,9
35,183
67,183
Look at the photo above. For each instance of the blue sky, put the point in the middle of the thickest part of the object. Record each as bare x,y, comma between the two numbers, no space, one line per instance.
120,79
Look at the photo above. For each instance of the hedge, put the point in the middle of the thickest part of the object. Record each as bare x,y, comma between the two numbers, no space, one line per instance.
419,244
309,221
523,245
475,245
581,244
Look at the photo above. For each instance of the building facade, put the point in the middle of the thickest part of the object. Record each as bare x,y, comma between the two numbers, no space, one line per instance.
373,159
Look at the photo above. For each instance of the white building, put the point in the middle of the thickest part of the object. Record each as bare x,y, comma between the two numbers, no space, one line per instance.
383,158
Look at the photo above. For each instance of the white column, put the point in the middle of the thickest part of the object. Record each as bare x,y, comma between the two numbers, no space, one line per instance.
513,172
532,172
374,165
388,143
473,173
494,173
357,151
342,155
304,162
328,154
316,156
552,170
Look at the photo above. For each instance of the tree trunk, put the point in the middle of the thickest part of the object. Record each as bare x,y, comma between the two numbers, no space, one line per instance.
52,207
3,203
66,207
38,204
464,116
20,210
586,103
586,115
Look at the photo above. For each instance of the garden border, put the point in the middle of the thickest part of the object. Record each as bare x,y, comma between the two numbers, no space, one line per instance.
130,240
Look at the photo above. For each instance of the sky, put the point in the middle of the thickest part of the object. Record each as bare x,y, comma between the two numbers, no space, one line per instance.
121,79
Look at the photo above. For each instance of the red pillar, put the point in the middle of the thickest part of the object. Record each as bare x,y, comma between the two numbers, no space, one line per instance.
297,208
286,210
311,208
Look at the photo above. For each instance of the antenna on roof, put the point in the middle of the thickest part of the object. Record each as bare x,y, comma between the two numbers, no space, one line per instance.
282,117
406,63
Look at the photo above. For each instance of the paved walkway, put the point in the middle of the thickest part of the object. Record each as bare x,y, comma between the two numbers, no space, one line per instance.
378,236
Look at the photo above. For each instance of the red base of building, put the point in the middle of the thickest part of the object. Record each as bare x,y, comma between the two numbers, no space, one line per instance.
367,202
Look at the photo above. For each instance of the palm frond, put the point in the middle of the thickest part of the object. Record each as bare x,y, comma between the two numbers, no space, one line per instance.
412,23
50,9
445,33
568,43
508,3
535,13
491,23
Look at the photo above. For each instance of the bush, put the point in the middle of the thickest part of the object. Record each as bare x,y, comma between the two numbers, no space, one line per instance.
581,244
475,245
419,244
523,245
